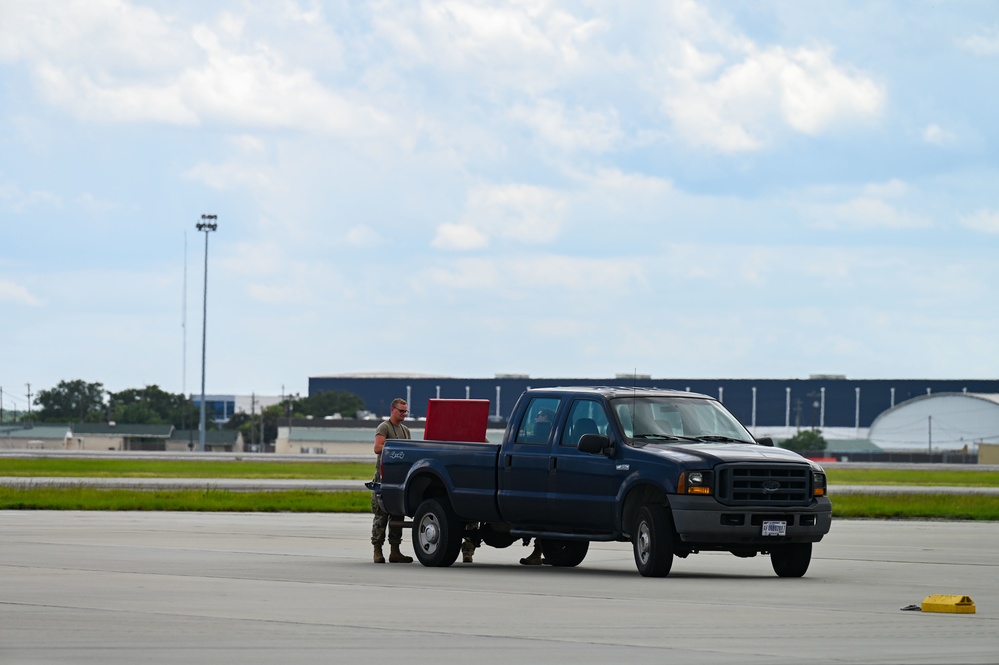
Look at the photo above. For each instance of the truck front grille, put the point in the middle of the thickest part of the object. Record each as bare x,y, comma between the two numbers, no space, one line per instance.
771,484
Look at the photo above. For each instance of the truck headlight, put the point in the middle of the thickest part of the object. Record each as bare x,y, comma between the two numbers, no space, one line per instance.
818,483
694,482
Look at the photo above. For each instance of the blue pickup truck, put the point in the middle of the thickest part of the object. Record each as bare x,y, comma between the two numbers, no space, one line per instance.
674,473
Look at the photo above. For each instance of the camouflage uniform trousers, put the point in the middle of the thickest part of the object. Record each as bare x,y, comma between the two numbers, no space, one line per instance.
380,524
468,545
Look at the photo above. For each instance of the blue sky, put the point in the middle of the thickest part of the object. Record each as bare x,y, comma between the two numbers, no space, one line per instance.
562,189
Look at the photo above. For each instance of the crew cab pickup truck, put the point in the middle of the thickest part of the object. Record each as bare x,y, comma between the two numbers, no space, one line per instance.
674,473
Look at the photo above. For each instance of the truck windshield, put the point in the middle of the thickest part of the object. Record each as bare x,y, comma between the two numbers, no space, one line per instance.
645,419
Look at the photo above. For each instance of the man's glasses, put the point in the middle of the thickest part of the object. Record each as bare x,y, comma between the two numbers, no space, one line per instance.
402,411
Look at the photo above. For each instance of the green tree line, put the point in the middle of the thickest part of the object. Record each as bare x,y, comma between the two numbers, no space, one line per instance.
807,440
79,401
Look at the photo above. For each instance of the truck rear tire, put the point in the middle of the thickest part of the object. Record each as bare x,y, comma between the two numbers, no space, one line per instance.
791,560
437,534
564,553
653,540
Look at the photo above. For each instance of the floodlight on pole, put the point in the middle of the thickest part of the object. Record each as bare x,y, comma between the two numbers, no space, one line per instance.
208,224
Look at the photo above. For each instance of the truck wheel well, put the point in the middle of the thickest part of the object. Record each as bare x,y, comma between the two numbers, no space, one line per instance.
423,487
637,497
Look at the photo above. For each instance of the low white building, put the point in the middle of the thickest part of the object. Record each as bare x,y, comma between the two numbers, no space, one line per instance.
320,437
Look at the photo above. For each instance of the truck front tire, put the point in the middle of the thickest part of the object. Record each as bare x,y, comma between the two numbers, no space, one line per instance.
791,560
653,540
437,534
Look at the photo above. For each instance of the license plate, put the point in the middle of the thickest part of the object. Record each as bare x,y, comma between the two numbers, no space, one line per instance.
773,528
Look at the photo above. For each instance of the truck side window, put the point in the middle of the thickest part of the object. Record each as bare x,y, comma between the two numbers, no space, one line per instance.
538,419
585,417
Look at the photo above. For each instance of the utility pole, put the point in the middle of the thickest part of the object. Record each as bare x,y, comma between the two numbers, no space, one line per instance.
29,403
183,353
208,224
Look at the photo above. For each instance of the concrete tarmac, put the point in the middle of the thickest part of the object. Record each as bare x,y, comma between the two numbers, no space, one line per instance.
167,588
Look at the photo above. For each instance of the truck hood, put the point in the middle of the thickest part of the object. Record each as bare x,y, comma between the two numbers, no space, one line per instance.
716,453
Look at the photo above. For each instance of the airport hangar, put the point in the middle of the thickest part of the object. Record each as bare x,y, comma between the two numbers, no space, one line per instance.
820,401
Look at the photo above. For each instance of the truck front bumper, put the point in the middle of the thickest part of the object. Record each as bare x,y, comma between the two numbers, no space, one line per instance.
702,519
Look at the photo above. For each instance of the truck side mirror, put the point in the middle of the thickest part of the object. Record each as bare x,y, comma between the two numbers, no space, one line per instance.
765,441
593,443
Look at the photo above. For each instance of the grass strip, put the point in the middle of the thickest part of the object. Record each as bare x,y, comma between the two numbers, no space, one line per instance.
916,506
291,501
902,506
930,478
321,470
118,468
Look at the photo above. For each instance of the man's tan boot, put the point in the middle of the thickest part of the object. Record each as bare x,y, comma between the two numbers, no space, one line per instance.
395,556
379,557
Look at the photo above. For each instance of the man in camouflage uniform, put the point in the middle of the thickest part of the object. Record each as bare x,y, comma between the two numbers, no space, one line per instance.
390,429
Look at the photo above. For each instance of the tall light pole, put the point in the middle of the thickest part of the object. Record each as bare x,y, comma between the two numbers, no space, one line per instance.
207,225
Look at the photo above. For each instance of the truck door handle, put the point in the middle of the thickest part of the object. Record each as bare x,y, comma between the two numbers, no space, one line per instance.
553,464
508,461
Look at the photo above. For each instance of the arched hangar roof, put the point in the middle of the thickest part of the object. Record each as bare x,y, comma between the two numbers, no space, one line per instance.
941,421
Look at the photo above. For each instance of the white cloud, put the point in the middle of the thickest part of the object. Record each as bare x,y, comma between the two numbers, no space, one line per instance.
891,189
864,212
463,275
719,89
254,259
578,274
109,61
459,237
529,38
578,129
255,87
79,93
984,43
881,205
985,220
817,94
17,200
229,175
523,213
515,278
248,144
627,185
362,236
16,294
936,135
100,33
246,168
748,102
92,204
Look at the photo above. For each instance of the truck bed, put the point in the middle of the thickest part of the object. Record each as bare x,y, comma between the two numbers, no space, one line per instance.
472,464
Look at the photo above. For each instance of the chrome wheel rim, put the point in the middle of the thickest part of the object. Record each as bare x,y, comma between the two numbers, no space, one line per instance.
430,533
644,542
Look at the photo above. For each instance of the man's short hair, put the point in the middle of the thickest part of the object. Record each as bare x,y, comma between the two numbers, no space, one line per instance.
397,401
